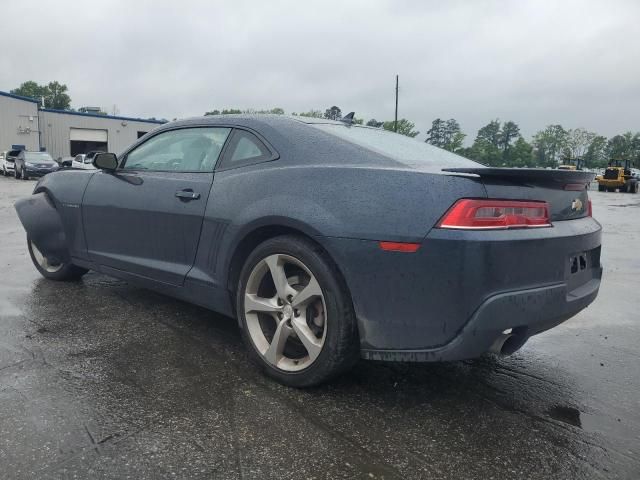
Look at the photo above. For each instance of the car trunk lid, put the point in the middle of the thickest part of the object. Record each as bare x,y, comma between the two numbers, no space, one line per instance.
565,191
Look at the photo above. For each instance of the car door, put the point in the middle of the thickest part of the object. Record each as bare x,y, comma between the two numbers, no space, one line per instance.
146,217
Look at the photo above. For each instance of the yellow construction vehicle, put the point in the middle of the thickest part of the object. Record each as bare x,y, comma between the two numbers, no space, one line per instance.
572,164
618,177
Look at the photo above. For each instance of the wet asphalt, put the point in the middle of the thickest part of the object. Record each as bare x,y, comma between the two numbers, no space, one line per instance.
100,379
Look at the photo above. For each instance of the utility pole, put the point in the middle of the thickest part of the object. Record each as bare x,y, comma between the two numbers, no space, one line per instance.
395,122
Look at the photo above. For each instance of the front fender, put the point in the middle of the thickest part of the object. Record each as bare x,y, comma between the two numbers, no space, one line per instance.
43,225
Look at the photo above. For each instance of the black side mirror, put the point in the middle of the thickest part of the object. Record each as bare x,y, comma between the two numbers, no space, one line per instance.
106,161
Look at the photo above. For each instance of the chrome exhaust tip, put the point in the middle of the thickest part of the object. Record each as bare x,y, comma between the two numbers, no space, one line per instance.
508,342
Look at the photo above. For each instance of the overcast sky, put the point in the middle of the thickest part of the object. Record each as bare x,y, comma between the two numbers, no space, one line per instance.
576,63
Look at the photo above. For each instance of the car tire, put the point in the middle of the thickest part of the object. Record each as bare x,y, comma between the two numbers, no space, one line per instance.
325,320
62,272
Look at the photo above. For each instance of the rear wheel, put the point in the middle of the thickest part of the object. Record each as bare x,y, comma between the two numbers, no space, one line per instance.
296,314
53,269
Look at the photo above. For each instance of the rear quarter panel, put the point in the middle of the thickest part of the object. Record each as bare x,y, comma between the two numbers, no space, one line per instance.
342,202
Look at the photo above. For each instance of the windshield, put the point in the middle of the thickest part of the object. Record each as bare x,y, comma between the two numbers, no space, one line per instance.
401,148
37,157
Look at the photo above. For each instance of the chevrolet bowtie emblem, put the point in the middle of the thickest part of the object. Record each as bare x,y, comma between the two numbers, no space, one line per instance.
576,205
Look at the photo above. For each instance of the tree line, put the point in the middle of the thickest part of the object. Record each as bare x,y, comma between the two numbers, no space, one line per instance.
501,144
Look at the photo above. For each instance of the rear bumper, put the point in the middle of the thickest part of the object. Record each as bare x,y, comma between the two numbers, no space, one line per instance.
452,298
527,312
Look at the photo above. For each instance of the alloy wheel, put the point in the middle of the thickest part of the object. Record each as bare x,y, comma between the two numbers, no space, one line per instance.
43,261
285,312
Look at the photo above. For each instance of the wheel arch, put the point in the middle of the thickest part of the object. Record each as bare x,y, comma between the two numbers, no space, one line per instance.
263,231
43,224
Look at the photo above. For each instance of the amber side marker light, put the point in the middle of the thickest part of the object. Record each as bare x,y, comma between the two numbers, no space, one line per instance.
399,247
488,214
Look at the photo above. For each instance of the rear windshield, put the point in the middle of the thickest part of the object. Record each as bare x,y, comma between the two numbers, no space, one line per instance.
38,156
401,148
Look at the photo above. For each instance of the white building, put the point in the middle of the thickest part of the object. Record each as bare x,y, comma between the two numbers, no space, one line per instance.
65,133
18,122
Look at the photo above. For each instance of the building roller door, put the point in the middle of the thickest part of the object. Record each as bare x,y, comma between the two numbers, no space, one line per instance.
84,140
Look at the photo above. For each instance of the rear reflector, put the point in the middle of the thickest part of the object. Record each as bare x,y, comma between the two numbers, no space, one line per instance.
471,214
399,247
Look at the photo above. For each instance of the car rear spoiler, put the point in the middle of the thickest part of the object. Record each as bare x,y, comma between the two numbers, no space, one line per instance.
528,174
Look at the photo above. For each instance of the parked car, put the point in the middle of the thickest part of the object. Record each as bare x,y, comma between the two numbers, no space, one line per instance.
34,164
84,161
65,162
327,241
8,162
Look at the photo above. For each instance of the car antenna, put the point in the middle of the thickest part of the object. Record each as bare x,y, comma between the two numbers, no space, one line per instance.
348,118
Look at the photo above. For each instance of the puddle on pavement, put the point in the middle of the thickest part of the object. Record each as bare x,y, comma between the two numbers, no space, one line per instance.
565,414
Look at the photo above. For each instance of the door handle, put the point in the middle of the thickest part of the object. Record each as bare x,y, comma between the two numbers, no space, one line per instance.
187,194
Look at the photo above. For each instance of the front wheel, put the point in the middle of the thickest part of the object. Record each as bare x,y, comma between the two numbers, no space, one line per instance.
296,314
54,269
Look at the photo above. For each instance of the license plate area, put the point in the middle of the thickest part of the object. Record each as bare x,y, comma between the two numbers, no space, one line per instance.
581,267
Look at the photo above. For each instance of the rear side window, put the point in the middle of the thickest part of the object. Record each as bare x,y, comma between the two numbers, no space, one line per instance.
245,149
401,148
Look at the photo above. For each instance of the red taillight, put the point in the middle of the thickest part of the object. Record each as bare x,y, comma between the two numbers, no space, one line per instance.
496,214
399,247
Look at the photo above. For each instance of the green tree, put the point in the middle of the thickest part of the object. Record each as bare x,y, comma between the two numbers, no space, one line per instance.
486,146
520,154
446,134
312,113
436,134
54,94
212,112
577,143
597,154
333,113
624,147
405,127
57,96
31,89
374,123
548,145
508,133
490,133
